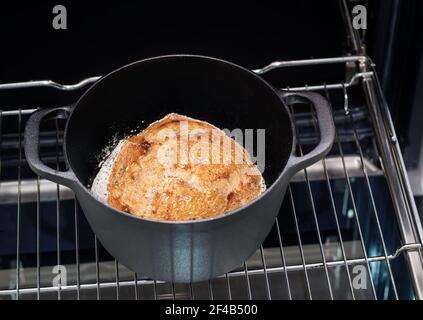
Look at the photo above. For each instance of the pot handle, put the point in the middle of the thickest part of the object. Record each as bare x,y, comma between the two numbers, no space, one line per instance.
32,144
326,128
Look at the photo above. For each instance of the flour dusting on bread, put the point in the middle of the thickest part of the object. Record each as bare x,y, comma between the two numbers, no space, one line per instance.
101,180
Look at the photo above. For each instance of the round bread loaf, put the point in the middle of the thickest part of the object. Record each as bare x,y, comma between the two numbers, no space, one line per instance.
178,168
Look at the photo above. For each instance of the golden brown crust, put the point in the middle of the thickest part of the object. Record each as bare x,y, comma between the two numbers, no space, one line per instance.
145,182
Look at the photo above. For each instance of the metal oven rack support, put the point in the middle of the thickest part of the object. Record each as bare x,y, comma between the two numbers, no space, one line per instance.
405,207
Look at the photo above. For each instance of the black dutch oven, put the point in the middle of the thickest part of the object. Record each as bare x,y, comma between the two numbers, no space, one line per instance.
219,92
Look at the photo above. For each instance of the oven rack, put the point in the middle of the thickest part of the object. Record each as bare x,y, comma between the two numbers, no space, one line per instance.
263,276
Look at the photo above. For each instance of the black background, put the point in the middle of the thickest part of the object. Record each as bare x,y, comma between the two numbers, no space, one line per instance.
103,36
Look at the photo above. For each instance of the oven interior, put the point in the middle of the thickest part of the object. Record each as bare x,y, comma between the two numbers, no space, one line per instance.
348,227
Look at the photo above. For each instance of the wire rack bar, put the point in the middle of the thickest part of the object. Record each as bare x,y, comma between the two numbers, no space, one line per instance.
58,211
300,246
191,291
136,286
228,287
155,289
309,62
38,239
288,287
97,268
18,214
210,287
173,291
274,65
266,276
316,223
247,279
117,280
357,219
332,86
49,84
311,266
78,269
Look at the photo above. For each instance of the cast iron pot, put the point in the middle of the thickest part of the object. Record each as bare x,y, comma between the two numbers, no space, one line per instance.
219,92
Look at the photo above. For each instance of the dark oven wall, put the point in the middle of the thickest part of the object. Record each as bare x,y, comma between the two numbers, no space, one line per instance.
101,37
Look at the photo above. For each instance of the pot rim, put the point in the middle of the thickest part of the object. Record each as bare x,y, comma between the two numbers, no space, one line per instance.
285,171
